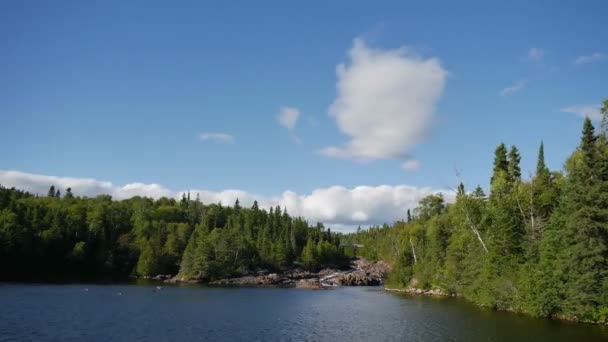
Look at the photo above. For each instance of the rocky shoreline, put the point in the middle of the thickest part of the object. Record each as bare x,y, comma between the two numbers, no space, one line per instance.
362,272
418,291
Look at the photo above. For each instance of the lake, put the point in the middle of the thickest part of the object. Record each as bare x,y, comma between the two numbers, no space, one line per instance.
136,312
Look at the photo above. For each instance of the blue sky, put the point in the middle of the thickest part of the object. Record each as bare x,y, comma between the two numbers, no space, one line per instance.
121,92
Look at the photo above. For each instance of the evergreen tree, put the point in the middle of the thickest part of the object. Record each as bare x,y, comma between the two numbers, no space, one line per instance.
478,193
513,165
309,255
501,165
541,167
574,249
604,112
147,263
460,191
51,192
68,193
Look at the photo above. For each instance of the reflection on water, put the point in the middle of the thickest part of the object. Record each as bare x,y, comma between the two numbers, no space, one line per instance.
129,312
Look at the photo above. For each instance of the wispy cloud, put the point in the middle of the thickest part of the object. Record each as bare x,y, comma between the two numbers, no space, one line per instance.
288,118
508,91
536,54
588,59
220,138
411,164
385,101
337,206
591,111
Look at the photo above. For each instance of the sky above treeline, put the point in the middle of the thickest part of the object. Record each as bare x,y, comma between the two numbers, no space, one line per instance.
343,112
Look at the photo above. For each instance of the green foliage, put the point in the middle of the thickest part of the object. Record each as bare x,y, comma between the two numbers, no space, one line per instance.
546,238
49,236
537,246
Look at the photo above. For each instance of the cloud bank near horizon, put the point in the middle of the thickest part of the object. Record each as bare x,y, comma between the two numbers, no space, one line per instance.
338,207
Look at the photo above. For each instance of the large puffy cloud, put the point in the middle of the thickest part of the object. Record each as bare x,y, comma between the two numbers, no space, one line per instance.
338,207
385,102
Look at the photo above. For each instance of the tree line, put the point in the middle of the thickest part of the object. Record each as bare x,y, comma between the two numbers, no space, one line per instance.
537,246
58,236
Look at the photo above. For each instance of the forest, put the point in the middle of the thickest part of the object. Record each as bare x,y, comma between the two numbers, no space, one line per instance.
537,246
54,236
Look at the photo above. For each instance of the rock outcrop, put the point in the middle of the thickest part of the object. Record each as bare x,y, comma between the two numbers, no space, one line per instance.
361,273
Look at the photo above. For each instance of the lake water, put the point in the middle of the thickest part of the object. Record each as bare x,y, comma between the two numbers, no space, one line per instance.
130,312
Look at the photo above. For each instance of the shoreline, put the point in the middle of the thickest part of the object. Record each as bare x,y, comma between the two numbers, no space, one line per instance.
362,272
438,293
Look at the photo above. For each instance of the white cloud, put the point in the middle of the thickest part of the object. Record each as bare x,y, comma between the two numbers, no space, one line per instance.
592,58
508,91
410,164
39,184
220,138
288,117
536,54
338,207
385,102
591,111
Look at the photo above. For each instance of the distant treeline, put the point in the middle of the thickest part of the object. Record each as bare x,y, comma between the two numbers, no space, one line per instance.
62,236
536,246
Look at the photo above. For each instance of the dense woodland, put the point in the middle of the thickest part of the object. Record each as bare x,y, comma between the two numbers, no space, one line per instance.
63,235
537,246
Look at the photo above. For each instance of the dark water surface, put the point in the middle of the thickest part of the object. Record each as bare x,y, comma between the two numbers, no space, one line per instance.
129,312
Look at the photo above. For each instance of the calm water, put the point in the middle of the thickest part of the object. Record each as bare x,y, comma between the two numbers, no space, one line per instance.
190,313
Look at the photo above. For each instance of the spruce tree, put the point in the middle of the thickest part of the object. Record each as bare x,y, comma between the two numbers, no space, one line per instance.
68,193
500,161
604,112
460,191
541,167
51,192
575,247
513,165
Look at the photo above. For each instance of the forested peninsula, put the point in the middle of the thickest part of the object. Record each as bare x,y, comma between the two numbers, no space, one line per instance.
537,246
